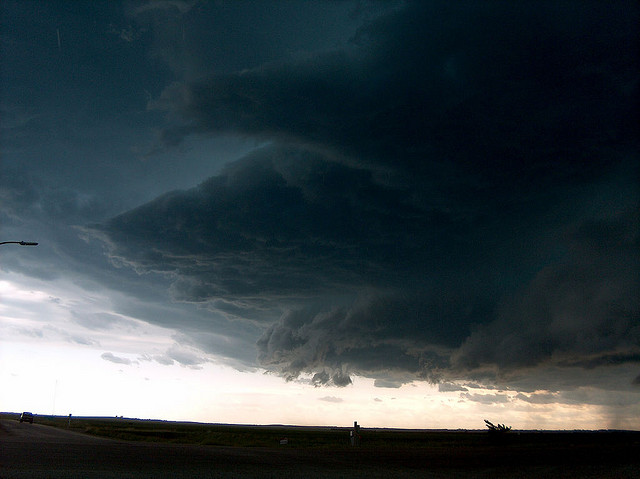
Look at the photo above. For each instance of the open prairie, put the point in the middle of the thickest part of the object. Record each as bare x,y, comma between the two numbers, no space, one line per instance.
121,447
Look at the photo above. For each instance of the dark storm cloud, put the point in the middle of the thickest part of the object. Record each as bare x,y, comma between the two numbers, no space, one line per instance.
241,241
476,85
588,305
283,222
452,195
26,198
197,38
372,335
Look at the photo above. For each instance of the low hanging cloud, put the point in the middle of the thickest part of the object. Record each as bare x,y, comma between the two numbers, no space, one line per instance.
159,358
584,311
456,204
116,359
183,356
186,357
279,222
360,338
486,398
336,300
451,387
539,398
102,321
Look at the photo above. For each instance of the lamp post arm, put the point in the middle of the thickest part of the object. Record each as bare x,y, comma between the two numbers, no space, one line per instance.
21,243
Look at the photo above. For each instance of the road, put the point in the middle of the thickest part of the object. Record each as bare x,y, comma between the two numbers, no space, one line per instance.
36,451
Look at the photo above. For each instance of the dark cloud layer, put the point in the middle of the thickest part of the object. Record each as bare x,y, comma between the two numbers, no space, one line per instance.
588,305
470,86
452,194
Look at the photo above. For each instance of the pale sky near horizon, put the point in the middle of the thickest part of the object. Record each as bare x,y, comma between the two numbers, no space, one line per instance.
410,214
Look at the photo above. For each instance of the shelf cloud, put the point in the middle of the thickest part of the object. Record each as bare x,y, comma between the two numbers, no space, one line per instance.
451,195
401,191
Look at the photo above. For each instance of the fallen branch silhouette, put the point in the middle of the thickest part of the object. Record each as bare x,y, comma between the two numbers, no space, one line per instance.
497,429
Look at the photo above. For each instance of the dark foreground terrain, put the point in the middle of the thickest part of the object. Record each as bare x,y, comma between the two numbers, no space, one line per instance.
180,450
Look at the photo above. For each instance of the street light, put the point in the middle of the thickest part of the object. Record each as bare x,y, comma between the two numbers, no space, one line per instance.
21,243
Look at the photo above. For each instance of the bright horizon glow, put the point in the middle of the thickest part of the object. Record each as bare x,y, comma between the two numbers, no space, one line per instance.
46,369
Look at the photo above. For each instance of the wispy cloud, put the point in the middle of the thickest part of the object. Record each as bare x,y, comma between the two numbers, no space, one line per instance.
451,387
116,359
486,398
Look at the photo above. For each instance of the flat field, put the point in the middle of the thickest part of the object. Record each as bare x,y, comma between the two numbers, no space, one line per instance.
326,451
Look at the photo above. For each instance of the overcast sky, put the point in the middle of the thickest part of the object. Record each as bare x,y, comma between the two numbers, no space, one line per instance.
425,202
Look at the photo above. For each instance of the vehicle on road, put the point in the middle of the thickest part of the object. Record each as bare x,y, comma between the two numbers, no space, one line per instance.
26,417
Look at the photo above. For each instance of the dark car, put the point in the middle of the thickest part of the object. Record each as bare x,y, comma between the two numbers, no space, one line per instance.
26,417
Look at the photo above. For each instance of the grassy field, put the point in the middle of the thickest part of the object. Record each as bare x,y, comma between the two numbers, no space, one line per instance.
326,451
247,435
324,437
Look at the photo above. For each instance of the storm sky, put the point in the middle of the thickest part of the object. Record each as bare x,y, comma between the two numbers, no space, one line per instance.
429,192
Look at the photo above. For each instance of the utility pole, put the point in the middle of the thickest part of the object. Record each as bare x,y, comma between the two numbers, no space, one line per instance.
355,434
